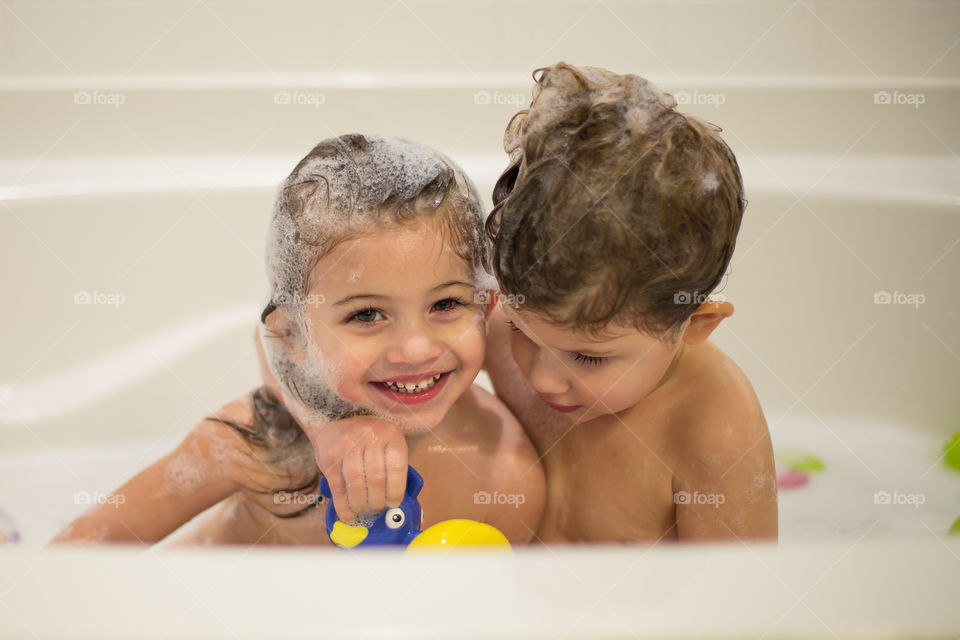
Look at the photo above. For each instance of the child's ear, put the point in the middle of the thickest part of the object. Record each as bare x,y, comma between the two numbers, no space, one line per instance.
704,320
280,326
490,297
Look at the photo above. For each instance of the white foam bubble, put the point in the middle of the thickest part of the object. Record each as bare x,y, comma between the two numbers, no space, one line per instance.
184,474
709,182
484,281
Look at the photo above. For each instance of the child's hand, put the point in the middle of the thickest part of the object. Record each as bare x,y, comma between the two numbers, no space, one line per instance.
364,459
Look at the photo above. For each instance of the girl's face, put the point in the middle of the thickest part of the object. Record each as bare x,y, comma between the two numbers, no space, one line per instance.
395,318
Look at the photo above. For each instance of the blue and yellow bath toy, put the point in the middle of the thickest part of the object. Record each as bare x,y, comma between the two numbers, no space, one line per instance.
401,526
398,525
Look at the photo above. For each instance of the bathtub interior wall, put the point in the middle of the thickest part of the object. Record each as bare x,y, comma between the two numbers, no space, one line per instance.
140,159
219,78
153,167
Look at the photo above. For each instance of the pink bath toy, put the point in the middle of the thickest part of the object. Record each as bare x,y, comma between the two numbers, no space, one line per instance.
788,478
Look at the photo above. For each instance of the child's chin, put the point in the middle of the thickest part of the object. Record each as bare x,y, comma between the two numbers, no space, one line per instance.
416,429
417,423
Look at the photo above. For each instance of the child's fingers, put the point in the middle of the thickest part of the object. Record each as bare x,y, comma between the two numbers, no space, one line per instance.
354,479
338,494
395,464
376,479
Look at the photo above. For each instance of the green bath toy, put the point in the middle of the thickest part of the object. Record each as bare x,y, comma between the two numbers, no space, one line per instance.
954,529
800,461
951,453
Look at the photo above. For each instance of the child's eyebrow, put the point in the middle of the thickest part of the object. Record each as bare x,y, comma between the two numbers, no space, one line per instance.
359,296
453,283
376,296
592,346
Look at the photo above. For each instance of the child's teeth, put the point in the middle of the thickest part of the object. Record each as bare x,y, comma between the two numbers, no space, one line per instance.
412,387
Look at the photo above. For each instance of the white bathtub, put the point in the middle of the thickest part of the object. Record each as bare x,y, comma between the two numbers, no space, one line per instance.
148,193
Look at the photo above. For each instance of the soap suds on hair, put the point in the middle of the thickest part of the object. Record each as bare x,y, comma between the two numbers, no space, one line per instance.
710,182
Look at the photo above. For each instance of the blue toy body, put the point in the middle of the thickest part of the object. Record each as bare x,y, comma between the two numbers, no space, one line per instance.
396,526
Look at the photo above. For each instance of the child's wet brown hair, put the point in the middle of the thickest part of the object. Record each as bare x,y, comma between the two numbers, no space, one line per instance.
615,208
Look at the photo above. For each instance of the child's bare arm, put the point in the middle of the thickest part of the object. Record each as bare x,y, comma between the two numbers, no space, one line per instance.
223,454
163,496
725,486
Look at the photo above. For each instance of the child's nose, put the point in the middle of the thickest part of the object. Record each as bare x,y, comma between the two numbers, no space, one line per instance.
414,347
545,377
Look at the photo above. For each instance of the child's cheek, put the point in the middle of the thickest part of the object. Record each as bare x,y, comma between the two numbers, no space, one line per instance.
618,392
522,353
345,369
471,344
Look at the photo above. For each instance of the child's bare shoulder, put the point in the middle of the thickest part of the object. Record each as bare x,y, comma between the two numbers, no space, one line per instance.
224,426
720,420
492,422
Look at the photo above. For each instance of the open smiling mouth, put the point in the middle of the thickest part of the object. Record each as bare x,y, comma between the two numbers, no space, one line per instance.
413,391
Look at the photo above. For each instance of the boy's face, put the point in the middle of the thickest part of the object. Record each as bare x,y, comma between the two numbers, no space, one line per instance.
585,377
393,312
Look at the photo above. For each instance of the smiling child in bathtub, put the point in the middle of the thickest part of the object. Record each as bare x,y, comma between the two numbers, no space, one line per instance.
373,336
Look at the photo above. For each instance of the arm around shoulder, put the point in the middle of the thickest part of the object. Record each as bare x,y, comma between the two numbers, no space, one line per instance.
165,495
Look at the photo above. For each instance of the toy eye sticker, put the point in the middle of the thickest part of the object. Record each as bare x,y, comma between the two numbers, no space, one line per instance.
394,518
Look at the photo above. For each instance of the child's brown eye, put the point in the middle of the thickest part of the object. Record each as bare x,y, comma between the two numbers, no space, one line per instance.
591,360
449,303
512,326
366,316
